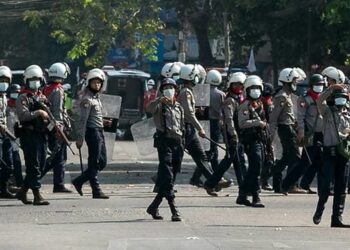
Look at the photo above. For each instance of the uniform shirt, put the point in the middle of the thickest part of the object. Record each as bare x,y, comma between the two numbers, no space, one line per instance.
229,108
55,96
90,113
168,119
24,113
217,98
342,120
308,115
3,107
282,112
245,119
186,100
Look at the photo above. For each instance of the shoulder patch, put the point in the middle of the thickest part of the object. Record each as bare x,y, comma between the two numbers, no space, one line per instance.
302,104
245,112
85,103
282,103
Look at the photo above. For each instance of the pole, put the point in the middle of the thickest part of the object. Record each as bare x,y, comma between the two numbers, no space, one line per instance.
217,144
227,40
81,161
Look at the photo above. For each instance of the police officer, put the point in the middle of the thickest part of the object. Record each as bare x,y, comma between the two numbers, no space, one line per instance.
310,125
217,98
90,127
252,122
230,126
5,142
32,133
189,76
13,93
54,93
282,118
336,127
168,117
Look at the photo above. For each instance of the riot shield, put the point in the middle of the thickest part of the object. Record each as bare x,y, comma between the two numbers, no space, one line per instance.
111,105
202,95
142,133
205,142
109,142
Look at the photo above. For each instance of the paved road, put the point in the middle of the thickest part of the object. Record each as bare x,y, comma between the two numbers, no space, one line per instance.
74,222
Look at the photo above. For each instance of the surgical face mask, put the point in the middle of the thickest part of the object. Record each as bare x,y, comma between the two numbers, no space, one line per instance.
176,77
34,84
255,93
169,93
3,86
150,87
317,88
340,101
14,95
294,87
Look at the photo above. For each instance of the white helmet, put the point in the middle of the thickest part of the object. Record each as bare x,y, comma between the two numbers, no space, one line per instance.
214,77
169,69
33,71
6,72
151,82
190,72
96,73
179,64
59,70
239,77
287,75
335,74
301,73
253,80
202,73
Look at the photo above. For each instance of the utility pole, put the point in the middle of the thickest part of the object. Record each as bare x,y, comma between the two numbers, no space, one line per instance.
182,37
227,40
309,24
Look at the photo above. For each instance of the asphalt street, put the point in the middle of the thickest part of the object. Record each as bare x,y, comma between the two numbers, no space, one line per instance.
74,222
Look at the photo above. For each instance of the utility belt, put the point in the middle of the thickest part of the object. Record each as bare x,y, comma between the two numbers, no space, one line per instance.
162,139
37,126
248,135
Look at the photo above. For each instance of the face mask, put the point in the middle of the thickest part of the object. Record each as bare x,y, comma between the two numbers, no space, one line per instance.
317,88
176,77
150,87
340,101
294,87
3,86
35,85
254,93
14,95
237,90
169,93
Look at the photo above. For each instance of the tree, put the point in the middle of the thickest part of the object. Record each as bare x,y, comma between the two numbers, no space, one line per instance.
91,27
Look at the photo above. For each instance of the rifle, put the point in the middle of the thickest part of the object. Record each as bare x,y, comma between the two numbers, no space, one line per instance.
53,124
10,135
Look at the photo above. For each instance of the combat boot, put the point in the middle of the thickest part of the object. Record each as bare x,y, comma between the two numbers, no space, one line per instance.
153,208
243,200
175,215
256,201
319,210
99,195
22,196
5,193
338,209
38,199
78,187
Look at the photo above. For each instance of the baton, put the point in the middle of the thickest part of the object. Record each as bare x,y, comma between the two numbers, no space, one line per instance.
307,155
81,161
217,144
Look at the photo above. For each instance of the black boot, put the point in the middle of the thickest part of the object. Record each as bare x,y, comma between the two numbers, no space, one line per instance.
153,208
338,209
256,201
78,186
99,195
22,195
319,210
175,216
5,193
243,200
38,199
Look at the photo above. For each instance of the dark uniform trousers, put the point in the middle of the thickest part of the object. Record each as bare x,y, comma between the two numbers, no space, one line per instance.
290,154
231,156
333,165
97,160
170,154
34,145
315,154
194,147
57,160
5,154
17,168
213,153
255,155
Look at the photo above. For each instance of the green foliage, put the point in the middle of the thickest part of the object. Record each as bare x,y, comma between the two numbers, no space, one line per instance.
92,26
